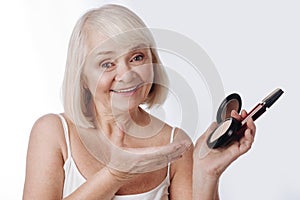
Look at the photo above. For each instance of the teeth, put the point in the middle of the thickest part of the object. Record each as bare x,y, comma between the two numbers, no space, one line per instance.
127,90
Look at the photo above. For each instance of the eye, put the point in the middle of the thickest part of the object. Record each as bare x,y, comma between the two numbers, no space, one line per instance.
137,58
107,65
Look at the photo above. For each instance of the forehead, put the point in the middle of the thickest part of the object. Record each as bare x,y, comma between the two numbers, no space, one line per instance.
124,42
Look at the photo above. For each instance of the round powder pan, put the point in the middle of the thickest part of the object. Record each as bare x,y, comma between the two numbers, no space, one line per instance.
231,102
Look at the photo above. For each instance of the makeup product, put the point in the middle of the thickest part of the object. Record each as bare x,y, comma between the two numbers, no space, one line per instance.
231,129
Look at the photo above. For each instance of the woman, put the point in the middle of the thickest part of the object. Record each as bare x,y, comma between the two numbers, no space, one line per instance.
112,68
104,145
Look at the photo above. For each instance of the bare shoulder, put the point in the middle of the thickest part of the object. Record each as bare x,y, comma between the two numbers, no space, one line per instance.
180,134
48,129
187,159
167,130
181,170
45,159
46,122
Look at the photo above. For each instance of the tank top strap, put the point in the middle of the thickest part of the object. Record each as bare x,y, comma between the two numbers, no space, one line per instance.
171,141
172,134
66,133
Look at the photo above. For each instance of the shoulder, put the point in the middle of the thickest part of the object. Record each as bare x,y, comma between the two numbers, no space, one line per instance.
180,134
166,131
48,132
45,158
47,121
182,169
47,126
187,158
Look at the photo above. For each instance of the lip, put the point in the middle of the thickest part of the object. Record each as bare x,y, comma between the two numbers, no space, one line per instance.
127,89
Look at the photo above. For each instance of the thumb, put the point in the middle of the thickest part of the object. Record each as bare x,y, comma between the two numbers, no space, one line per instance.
205,135
201,147
210,129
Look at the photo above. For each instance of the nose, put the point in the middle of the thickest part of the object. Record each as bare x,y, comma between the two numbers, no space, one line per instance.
124,72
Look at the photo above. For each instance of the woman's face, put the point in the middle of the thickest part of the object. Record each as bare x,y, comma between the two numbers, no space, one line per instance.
118,75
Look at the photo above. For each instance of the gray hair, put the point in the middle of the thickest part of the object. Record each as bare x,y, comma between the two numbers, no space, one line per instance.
110,20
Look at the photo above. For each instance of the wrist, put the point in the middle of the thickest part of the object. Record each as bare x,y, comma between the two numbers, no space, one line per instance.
207,180
205,187
207,172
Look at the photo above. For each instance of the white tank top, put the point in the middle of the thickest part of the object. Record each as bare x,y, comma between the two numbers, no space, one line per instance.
73,177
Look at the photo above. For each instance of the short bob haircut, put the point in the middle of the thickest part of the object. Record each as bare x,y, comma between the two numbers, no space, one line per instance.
110,20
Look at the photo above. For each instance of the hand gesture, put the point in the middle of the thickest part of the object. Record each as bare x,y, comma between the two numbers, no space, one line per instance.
213,162
124,162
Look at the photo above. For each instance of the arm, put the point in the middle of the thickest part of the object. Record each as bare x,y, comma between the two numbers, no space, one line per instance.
209,164
181,170
103,185
44,167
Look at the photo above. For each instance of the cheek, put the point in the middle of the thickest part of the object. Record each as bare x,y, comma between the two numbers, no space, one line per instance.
104,83
99,83
146,73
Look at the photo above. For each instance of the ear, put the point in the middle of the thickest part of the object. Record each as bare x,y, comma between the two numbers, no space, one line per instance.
83,82
84,85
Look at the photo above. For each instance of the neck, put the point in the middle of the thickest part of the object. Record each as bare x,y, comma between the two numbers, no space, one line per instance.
109,120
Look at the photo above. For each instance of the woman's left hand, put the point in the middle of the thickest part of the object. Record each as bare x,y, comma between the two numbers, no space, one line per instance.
213,162
209,164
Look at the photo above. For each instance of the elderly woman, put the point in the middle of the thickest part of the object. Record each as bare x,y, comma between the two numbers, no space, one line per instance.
112,68
105,145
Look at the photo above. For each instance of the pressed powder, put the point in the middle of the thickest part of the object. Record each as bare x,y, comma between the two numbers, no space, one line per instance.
221,130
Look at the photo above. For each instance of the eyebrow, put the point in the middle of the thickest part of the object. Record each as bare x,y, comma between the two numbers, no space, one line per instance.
105,52
139,46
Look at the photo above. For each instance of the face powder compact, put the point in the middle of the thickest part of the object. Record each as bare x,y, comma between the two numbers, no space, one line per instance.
230,129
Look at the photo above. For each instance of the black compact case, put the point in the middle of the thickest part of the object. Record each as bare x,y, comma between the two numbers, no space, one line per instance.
230,129
225,133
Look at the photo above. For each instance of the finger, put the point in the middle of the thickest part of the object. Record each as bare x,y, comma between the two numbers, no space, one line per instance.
178,153
244,114
238,148
236,115
246,142
232,152
173,151
158,158
160,150
251,126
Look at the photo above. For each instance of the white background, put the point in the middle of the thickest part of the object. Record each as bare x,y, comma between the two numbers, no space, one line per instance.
255,46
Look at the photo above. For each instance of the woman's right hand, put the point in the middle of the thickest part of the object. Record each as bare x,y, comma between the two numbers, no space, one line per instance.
125,163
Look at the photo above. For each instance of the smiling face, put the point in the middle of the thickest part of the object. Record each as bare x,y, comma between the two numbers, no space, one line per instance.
118,74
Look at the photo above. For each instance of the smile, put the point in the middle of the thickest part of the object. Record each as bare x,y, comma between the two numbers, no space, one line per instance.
127,90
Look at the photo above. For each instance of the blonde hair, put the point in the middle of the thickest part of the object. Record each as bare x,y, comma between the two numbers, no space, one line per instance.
110,20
